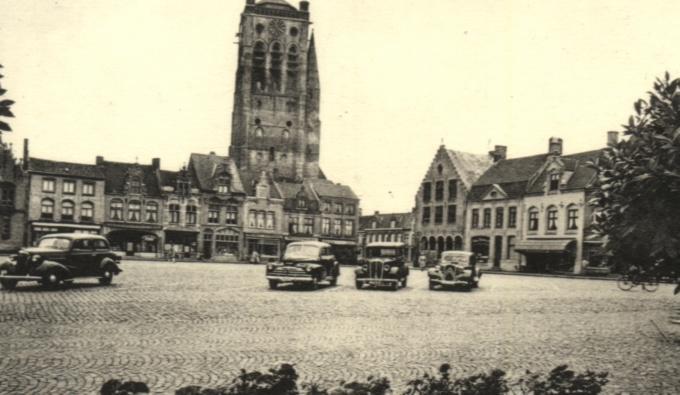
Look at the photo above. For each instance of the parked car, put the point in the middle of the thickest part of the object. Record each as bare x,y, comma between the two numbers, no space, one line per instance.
305,262
61,258
383,265
455,269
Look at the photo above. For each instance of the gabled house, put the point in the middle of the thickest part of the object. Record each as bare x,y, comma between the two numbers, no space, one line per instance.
441,200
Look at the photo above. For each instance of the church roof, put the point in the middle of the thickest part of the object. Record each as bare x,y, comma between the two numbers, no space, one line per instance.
275,3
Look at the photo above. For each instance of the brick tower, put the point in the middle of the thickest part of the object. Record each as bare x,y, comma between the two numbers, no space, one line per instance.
275,121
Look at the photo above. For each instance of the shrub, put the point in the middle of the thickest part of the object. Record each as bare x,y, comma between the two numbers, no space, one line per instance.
117,387
562,381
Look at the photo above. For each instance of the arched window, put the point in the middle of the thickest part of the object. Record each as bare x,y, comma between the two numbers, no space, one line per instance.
433,244
151,212
423,244
458,243
276,66
285,134
572,217
259,132
533,219
116,210
292,69
47,209
87,211
272,154
440,245
259,66
134,211
67,208
449,243
551,219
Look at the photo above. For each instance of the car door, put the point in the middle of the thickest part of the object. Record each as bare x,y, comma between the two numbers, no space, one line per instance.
82,253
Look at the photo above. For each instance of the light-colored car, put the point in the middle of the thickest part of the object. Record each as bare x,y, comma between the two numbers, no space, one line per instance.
455,269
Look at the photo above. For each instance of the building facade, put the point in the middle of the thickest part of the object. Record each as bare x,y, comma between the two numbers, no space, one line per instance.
391,227
13,204
440,202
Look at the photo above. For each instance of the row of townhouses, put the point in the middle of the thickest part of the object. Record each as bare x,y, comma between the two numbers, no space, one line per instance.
204,209
529,213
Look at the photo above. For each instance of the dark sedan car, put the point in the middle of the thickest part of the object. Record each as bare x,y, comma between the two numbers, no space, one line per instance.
305,262
384,265
61,258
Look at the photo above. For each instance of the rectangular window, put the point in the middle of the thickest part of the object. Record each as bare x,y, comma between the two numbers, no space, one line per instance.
439,191
475,218
271,220
134,212
337,227
499,217
232,215
260,219
426,216
349,209
6,228
252,219
438,215
337,208
326,207
552,220
293,225
67,211
116,212
512,217
86,212
554,181
88,188
453,190
174,213
533,220
214,214
191,215
309,226
48,185
47,209
511,248
349,228
326,226
487,218
427,192
451,214
151,212
69,187
223,189
572,219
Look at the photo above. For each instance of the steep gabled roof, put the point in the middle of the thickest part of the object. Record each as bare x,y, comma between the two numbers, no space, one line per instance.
469,166
117,173
329,189
249,180
581,175
169,178
204,167
403,220
511,175
65,169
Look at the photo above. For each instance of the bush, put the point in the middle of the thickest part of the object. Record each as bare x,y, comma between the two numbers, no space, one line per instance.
283,381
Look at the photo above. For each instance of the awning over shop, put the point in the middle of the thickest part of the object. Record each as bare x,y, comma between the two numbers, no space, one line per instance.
544,246
71,226
294,238
340,242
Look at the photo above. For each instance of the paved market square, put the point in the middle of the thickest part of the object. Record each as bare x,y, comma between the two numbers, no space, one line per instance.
173,325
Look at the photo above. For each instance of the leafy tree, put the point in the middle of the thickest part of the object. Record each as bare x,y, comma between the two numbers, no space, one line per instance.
637,191
5,109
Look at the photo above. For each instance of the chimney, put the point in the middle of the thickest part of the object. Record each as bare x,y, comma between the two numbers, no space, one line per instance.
612,138
100,160
555,146
156,163
250,2
25,154
500,152
304,6
376,213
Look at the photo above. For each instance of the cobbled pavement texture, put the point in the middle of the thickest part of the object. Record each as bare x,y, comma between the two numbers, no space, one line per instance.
173,325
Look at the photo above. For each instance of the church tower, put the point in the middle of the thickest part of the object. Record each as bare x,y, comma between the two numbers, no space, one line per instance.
275,120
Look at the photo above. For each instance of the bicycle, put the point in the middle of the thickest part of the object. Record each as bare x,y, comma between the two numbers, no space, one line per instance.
628,281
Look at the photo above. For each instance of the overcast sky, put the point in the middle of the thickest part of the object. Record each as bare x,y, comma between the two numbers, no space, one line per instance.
155,78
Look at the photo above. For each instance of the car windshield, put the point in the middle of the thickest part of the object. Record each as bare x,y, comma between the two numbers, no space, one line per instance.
457,259
294,252
58,243
383,252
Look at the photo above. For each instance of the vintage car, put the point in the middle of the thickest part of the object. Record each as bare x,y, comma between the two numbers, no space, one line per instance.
305,262
455,269
383,265
61,258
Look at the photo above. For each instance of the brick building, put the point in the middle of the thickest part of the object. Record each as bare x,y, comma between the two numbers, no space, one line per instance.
391,227
13,188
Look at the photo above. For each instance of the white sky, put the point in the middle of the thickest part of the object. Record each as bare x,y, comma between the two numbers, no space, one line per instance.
154,78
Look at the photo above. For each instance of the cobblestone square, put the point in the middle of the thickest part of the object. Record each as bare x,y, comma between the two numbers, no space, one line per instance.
172,325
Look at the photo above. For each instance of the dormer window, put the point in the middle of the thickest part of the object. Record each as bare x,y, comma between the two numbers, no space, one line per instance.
554,182
301,203
135,185
393,223
183,188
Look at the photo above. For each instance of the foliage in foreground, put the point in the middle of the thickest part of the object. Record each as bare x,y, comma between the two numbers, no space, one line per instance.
283,381
638,182
5,111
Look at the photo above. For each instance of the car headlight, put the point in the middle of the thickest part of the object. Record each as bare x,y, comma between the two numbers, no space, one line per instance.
3,272
365,267
270,267
386,268
35,258
394,270
308,268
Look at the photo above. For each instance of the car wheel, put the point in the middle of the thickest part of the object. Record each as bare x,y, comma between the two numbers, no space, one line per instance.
395,286
432,285
358,284
314,285
334,281
8,284
107,276
273,284
404,282
51,280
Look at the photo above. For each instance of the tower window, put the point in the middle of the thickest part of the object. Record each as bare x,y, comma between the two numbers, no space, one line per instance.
259,64
289,123
292,70
259,28
285,134
259,132
272,154
258,121
276,65
294,31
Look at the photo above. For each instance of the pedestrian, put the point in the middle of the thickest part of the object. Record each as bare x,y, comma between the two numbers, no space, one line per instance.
255,258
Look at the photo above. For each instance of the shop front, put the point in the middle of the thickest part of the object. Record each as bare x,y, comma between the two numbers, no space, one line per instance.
40,229
548,255
267,246
221,244
181,243
345,251
135,242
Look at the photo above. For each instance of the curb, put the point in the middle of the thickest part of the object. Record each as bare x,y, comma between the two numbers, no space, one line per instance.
546,275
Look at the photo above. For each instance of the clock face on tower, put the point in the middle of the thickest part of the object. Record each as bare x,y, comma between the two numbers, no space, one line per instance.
276,28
